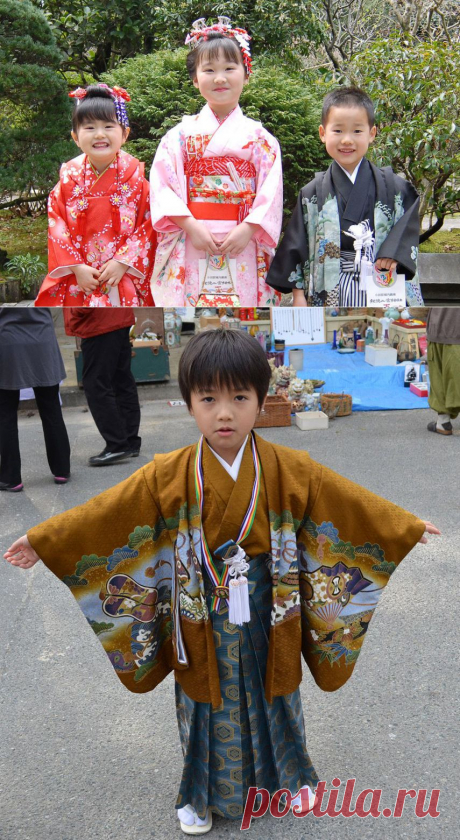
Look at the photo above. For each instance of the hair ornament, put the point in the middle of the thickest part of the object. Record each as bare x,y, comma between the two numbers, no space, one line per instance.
201,31
121,93
119,96
78,93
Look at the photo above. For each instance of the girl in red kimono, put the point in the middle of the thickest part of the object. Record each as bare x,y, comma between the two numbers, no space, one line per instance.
101,244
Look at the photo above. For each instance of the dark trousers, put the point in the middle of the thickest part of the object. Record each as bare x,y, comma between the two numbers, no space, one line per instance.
110,389
54,430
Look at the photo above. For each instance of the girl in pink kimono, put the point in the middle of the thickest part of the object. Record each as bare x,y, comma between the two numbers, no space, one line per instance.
216,186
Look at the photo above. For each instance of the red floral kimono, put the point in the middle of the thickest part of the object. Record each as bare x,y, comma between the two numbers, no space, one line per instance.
93,219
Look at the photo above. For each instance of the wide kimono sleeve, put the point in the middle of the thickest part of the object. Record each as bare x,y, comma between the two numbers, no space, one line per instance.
62,252
168,194
350,543
137,250
115,555
290,268
401,243
267,207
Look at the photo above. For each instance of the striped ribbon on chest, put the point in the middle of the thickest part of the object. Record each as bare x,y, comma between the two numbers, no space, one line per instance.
221,579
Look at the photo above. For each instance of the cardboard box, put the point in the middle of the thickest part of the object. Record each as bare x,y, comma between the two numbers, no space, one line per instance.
380,355
150,343
307,420
419,388
209,322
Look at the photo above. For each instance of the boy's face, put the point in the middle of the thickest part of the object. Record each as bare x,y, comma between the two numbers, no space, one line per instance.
220,81
225,416
100,140
347,135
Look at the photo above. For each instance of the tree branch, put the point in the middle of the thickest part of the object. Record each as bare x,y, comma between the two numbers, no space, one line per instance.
16,202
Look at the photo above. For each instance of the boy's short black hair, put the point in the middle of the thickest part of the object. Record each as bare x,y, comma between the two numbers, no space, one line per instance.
97,105
348,97
223,359
209,49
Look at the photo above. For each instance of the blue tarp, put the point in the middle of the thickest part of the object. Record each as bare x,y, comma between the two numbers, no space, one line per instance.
372,388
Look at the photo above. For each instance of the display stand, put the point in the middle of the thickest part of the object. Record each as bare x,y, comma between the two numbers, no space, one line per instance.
298,325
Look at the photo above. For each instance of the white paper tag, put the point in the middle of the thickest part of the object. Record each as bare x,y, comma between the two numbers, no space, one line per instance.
386,289
217,275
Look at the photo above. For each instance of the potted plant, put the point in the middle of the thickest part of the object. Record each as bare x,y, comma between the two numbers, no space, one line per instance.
27,270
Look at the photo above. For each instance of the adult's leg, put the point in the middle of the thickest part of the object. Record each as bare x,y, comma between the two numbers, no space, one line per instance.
451,378
444,395
126,393
101,354
10,457
54,429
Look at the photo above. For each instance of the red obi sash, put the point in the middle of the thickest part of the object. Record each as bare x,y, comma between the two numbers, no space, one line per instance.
227,204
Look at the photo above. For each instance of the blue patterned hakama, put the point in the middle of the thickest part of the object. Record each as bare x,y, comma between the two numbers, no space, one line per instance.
246,741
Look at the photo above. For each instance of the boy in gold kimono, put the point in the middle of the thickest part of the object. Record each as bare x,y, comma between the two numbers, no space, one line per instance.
226,562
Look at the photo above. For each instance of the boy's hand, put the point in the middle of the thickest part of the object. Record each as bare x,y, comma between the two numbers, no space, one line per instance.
384,264
200,237
236,240
112,272
429,529
21,554
298,297
87,278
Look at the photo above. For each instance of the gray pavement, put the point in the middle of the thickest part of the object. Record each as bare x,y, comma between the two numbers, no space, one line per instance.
83,759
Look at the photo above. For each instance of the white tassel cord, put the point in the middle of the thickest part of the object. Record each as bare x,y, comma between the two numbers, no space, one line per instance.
238,591
364,251
363,241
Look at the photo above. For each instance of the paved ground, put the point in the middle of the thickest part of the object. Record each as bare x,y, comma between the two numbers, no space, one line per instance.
82,759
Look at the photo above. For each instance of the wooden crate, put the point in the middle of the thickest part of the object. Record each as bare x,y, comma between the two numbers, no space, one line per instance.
276,412
149,362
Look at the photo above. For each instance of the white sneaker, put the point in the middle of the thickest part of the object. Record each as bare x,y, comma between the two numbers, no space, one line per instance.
301,807
191,823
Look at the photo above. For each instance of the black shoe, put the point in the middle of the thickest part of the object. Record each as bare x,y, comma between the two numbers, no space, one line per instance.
106,457
11,488
135,452
446,428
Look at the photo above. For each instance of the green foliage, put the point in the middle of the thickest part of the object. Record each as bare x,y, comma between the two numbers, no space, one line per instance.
276,26
416,90
286,105
34,121
95,37
27,268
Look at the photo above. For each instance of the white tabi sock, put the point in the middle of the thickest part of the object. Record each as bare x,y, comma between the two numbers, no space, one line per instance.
442,418
298,799
189,816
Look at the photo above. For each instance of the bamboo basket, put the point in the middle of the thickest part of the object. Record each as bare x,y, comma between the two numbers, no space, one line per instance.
336,405
276,412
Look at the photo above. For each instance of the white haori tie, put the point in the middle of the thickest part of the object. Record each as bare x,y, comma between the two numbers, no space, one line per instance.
238,589
363,244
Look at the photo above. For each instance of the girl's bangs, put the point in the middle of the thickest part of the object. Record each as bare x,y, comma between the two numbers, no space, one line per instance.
211,49
94,108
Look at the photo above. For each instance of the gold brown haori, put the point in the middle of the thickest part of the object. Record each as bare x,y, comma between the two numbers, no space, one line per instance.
320,551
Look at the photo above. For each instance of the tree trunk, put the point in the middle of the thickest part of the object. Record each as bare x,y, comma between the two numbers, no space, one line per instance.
433,229
101,60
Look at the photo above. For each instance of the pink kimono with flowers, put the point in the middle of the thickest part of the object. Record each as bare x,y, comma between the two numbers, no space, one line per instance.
222,174
92,219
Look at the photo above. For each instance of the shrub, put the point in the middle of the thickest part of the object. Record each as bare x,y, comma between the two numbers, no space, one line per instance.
28,269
